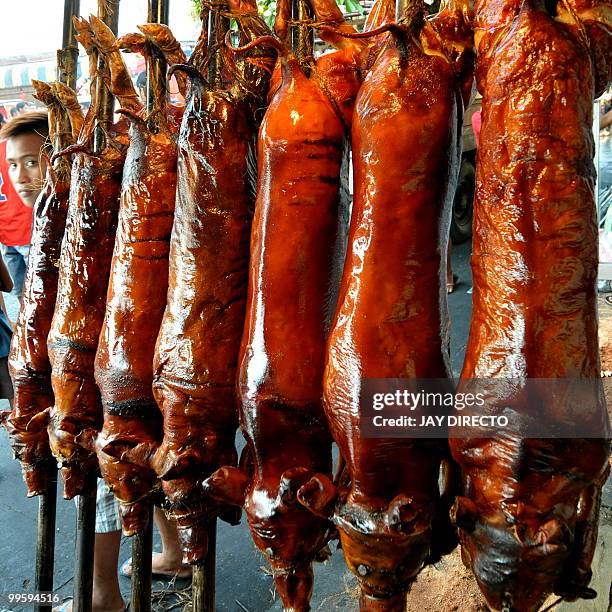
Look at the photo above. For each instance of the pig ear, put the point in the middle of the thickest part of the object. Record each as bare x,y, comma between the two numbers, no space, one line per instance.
141,454
319,495
87,439
464,514
290,481
407,513
227,485
39,421
121,450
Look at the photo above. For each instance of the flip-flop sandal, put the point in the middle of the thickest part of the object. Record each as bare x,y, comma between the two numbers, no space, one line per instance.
63,607
126,571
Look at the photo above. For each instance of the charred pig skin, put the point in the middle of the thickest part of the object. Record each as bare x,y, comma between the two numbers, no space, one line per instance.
529,510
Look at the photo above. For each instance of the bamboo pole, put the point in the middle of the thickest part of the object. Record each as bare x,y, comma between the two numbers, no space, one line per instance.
84,549
203,584
159,11
218,25
302,36
142,543
142,555
108,12
400,8
156,70
67,58
68,55
45,540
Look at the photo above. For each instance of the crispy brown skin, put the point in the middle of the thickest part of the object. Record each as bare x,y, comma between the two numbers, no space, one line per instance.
29,361
292,253
529,510
294,246
199,338
85,260
81,297
391,318
134,307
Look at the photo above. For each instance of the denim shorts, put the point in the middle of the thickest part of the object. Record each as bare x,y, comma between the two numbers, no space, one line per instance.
16,260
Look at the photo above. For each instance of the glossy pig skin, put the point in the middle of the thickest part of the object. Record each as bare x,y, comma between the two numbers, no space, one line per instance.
81,297
199,338
296,217
595,16
28,360
528,514
135,305
291,287
81,294
391,320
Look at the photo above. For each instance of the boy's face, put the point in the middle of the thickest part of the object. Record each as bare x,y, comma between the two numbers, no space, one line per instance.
26,169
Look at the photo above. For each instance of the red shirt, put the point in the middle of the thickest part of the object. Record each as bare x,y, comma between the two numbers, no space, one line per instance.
15,217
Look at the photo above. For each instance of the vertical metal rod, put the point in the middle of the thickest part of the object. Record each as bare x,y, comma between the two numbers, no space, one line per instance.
84,549
45,540
142,555
203,582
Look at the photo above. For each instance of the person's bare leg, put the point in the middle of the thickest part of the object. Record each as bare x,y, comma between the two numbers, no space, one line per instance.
106,595
106,592
169,560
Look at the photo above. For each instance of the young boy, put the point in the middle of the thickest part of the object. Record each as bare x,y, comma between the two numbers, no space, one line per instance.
22,140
